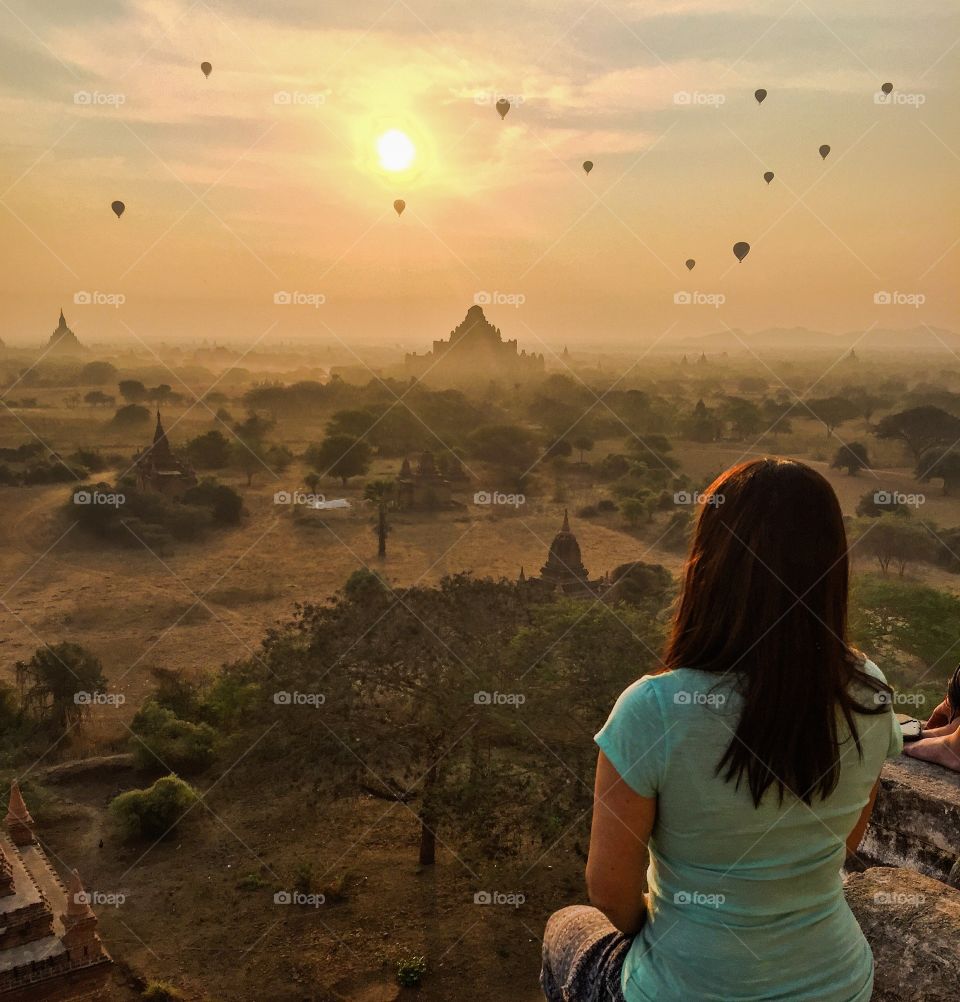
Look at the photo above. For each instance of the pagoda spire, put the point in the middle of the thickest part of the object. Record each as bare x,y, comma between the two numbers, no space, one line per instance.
18,820
78,903
523,577
566,522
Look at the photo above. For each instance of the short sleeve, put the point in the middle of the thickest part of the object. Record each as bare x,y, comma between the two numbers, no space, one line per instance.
633,738
895,743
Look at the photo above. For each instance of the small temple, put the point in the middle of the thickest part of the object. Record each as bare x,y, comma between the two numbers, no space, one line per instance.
159,469
426,487
49,945
64,340
474,350
564,571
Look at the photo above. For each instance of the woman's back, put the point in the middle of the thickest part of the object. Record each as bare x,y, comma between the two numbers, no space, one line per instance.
736,890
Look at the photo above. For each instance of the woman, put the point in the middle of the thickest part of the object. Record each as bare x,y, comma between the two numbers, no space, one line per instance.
940,737
748,767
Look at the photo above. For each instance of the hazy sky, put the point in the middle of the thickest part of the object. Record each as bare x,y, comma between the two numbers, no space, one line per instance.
264,178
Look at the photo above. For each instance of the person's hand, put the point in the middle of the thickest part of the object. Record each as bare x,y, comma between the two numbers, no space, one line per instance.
939,717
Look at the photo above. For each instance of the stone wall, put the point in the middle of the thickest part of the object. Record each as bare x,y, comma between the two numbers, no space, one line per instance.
912,923
906,902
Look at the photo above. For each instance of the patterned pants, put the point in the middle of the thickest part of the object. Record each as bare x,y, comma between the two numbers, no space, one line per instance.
583,955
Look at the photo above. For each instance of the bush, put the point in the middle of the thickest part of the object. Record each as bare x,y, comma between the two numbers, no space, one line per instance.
607,504
161,991
161,738
130,416
224,502
410,970
588,511
154,812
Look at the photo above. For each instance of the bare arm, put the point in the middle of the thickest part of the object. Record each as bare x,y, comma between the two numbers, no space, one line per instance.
856,836
622,823
940,716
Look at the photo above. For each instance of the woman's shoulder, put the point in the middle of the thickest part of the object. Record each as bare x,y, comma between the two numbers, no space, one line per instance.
867,666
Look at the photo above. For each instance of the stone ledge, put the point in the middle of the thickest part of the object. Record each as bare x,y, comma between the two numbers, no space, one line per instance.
916,821
912,923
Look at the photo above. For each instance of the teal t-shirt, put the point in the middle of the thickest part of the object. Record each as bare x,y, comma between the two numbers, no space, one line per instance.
745,903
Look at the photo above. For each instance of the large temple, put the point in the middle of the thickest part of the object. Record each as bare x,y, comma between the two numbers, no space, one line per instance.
63,340
49,946
159,469
475,351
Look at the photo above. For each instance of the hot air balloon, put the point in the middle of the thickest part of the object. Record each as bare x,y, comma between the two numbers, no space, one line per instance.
118,208
824,150
399,205
760,95
887,88
768,176
588,166
503,106
207,68
741,250
690,263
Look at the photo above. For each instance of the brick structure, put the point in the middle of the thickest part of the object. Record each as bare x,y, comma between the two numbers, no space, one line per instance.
49,946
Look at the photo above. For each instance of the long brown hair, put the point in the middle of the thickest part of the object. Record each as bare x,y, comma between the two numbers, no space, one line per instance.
765,599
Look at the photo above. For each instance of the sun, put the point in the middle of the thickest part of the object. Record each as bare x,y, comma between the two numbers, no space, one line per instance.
396,150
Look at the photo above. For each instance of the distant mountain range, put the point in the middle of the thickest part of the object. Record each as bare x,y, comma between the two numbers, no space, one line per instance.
921,338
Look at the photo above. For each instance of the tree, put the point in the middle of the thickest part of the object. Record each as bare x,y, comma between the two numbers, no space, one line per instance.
920,429
155,812
250,457
210,451
940,464
59,683
132,390
832,412
97,398
894,539
97,374
510,449
340,456
852,458
583,443
558,449
162,740
879,502
131,416
380,493
356,424
743,416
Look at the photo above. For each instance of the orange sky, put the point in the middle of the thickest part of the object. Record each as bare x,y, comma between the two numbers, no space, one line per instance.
264,178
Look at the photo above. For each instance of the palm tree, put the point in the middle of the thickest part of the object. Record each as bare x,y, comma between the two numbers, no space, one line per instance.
380,493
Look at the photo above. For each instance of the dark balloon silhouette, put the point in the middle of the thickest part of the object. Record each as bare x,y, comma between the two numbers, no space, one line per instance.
760,95
118,208
503,106
887,88
768,176
741,250
588,166
824,150
207,68
690,263
399,205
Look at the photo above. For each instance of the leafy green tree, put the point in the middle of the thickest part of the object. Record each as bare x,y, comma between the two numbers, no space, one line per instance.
97,374
852,458
831,412
155,812
920,429
743,416
162,740
583,443
892,539
131,416
58,683
133,391
509,449
340,456
250,457
209,451
943,465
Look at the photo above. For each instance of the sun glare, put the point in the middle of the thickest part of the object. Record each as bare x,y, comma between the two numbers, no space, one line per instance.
396,150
